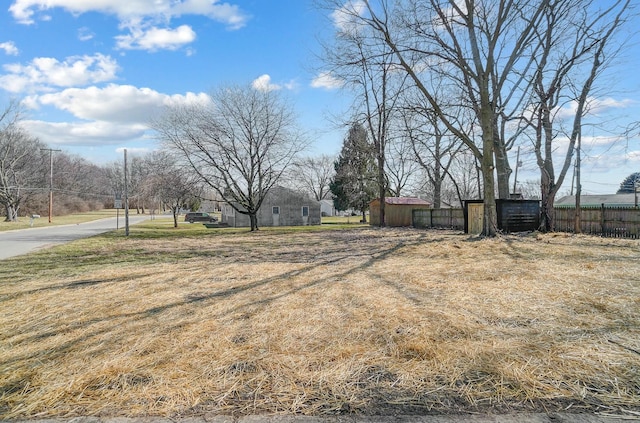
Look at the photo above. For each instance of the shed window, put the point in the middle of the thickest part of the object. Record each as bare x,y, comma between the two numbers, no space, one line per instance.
305,211
276,210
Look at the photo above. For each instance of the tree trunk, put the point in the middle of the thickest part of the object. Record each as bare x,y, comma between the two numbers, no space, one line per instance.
490,221
547,171
503,170
253,218
382,190
490,225
12,213
547,223
175,216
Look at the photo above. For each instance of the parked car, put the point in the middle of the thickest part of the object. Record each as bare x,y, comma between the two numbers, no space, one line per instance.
199,217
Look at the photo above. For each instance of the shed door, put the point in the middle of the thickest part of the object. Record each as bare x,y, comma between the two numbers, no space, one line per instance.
276,215
476,213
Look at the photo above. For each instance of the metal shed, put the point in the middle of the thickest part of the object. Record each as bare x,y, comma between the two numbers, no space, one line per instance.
398,211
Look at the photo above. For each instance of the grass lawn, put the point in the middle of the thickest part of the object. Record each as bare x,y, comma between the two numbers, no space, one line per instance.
320,321
26,222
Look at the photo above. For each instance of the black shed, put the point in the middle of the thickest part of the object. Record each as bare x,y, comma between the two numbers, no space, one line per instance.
518,215
513,215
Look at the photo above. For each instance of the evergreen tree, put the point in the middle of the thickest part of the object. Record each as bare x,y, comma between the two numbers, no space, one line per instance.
354,184
628,185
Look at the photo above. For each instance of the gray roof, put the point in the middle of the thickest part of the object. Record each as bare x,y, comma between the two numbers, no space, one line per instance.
597,200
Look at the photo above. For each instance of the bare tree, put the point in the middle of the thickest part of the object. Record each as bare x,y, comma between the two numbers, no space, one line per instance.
114,174
21,165
169,183
313,175
239,144
481,48
370,71
401,165
79,184
576,44
434,147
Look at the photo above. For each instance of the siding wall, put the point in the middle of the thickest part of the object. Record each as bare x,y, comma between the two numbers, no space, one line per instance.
290,206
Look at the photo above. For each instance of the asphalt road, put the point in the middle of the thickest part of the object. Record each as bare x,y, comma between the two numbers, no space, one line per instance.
23,241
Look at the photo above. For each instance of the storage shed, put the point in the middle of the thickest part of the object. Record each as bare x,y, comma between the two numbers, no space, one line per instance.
397,210
281,207
512,215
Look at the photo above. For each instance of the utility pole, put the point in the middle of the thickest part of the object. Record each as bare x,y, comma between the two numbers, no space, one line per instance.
50,150
518,164
577,224
126,196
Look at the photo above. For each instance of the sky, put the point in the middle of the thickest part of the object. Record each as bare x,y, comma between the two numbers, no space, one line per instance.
92,73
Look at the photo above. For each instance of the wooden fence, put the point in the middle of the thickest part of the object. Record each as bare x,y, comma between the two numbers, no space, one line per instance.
438,218
606,221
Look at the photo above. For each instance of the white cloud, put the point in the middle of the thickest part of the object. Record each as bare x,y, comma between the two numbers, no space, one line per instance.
156,38
45,73
26,11
113,103
133,150
595,106
327,81
9,48
110,115
345,19
263,83
634,156
83,133
85,34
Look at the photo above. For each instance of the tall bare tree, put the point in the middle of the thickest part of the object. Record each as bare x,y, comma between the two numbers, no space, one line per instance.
239,144
576,44
369,70
482,48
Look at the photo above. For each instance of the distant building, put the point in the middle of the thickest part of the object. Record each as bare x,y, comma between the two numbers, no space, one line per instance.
281,207
398,211
327,208
619,200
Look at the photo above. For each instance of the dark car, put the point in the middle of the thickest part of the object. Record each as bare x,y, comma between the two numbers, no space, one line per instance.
199,217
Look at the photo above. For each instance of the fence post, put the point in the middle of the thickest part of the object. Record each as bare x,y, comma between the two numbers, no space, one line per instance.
602,221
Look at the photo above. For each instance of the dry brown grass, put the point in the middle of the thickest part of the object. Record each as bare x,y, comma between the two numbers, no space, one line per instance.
352,321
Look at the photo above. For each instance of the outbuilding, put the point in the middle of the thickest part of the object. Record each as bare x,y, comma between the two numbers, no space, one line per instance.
398,211
281,207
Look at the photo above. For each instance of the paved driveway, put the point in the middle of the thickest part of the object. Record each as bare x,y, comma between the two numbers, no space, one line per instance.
15,243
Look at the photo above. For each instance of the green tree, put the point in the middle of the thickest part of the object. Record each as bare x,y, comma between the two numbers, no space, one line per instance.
354,184
628,185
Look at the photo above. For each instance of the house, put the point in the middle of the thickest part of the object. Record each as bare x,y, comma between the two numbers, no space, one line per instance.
398,211
615,200
281,207
327,208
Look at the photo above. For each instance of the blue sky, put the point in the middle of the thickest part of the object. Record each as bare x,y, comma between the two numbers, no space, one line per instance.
92,72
